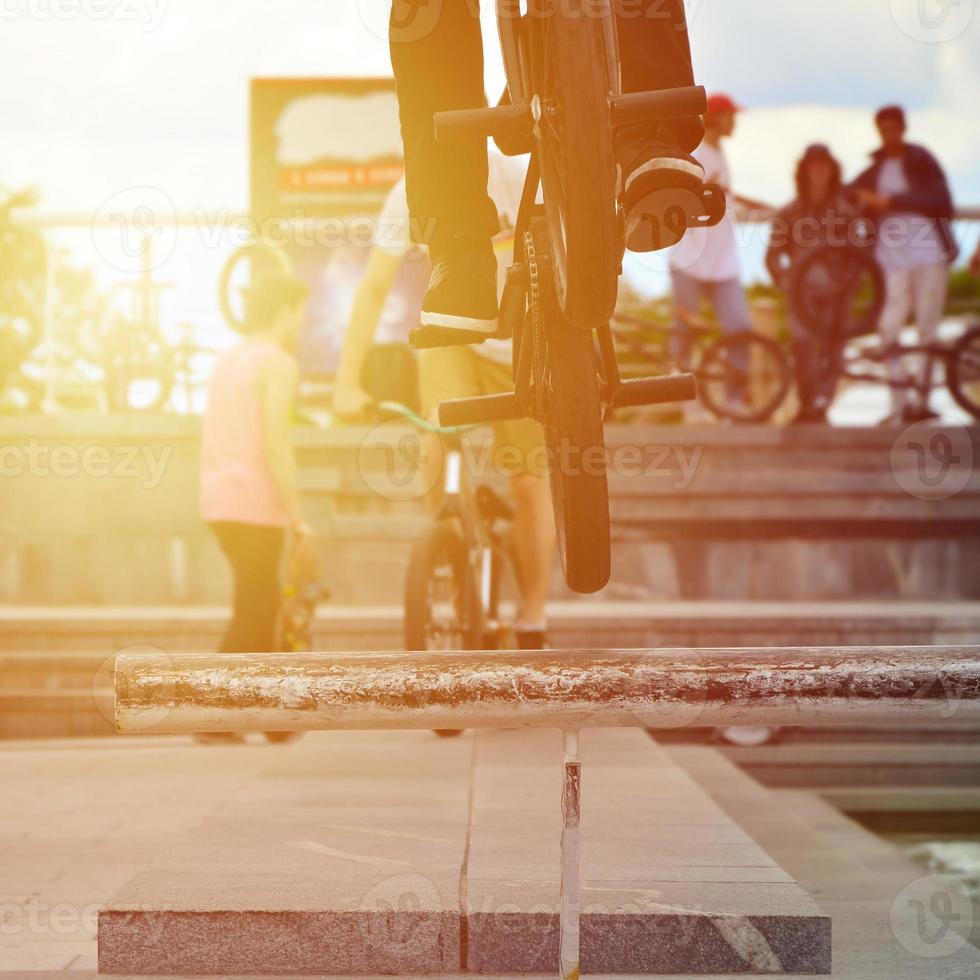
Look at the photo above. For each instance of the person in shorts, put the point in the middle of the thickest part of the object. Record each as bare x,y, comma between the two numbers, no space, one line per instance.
464,372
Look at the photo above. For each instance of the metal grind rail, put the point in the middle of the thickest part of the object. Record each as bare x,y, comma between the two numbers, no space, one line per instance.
568,690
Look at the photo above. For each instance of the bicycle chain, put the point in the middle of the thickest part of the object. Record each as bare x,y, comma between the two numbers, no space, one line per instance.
534,300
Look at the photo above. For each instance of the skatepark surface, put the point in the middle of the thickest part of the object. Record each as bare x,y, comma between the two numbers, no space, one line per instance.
189,851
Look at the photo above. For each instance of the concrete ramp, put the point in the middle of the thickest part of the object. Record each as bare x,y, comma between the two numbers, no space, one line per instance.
371,854
671,885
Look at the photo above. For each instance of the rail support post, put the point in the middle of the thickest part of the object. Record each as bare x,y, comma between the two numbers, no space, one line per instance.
570,894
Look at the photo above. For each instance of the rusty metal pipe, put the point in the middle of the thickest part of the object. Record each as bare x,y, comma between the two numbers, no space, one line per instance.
894,686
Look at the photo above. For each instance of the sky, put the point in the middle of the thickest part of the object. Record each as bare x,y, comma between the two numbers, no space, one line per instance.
102,95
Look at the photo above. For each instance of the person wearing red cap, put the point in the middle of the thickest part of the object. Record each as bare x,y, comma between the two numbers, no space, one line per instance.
437,57
705,265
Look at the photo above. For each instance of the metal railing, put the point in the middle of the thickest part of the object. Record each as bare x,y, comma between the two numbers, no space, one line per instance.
567,690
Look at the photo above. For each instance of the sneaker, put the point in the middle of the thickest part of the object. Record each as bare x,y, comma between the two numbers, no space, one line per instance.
661,188
918,413
531,639
462,292
220,738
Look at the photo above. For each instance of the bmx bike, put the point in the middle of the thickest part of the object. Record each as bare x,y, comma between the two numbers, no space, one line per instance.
565,103
742,377
837,294
463,565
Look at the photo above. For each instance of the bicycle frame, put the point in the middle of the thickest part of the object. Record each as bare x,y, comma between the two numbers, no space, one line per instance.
460,504
520,119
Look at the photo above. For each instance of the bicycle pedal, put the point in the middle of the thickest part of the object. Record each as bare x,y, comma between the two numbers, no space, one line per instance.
429,338
715,204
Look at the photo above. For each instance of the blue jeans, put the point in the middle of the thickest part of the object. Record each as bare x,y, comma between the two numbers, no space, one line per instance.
727,299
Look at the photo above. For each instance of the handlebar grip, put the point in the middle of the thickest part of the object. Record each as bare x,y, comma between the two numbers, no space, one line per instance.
657,391
498,122
460,412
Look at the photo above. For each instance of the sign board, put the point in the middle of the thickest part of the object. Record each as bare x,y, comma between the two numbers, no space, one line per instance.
323,147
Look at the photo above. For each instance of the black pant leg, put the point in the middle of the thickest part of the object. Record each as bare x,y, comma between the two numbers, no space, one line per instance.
437,57
254,554
655,51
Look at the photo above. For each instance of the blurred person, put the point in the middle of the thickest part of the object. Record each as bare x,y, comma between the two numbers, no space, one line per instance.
975,262
439,67
907,196
820,214
705,265
249,492
462,372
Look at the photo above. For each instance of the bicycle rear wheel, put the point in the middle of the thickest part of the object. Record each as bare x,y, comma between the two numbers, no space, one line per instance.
568,404
963,373
838,291
578,166
744,377
441,610
241,272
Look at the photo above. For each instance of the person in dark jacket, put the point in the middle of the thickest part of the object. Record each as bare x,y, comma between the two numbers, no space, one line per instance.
820,214
907,196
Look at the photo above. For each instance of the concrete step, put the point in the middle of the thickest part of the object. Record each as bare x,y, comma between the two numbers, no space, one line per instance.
870,890
630,623
670,883
364,854
814,764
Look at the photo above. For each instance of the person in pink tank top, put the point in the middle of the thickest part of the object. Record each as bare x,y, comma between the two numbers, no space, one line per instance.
249,493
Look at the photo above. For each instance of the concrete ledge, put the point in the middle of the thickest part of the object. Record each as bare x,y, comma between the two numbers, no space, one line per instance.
278,943
405,854
671,885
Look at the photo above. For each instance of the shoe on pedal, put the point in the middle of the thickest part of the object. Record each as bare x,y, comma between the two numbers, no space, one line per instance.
661,189
462,292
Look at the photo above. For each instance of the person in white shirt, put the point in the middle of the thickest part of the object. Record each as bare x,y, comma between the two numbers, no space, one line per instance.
461,372
705,265
908,197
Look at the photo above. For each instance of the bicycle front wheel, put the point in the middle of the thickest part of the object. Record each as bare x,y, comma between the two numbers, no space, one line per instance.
568,404
578,166
440,603
963,373
744,377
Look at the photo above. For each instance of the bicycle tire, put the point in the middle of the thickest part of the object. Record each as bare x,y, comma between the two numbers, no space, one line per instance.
719,371
569,407
268,255
817,296
578,165
441,547
963,372
152,362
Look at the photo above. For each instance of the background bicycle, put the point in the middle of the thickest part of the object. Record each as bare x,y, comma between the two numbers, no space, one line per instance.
463,569
742,377
837,294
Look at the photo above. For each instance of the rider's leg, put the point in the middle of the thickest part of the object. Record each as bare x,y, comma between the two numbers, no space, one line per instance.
661,180
731,307
437,58
687,292
930,285
520,453
254,554
898,305
444,373
534,542
805,367
656,54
